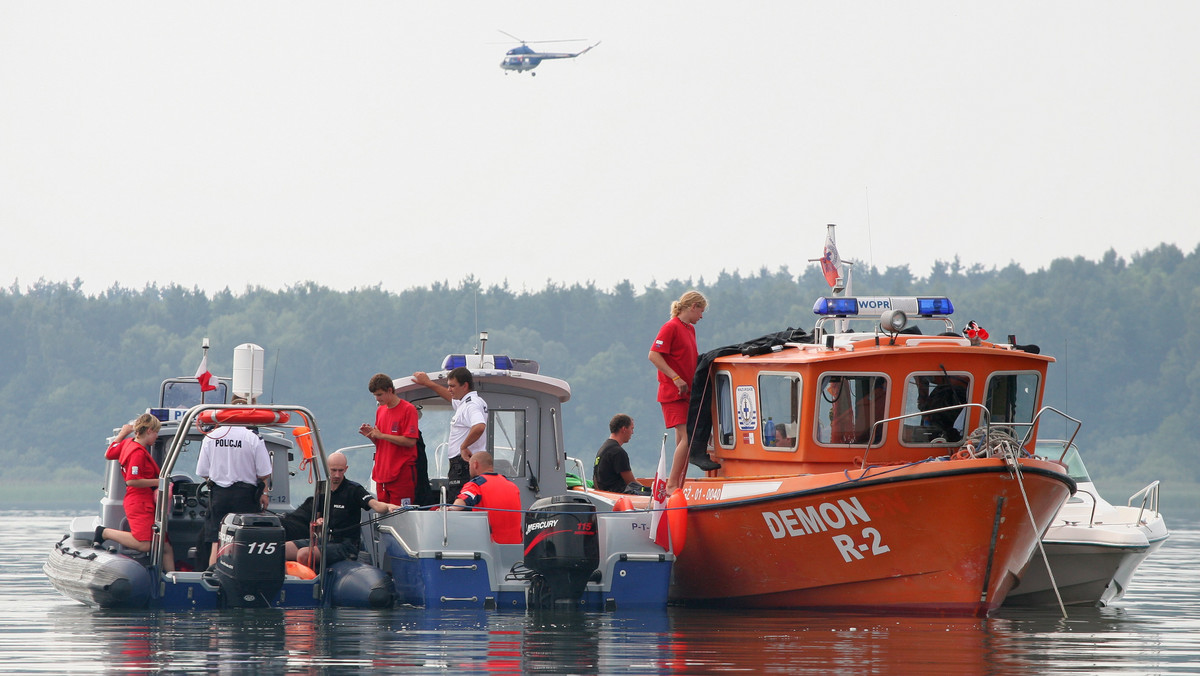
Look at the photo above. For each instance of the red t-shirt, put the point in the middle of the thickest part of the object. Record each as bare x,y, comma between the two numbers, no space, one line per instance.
399,420
136,463
496,492
676,341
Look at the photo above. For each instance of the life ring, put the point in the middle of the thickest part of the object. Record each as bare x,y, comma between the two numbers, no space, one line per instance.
623,504
243,416
677,520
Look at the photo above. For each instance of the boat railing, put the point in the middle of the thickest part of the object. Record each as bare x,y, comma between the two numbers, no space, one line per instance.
439,454
1029,427
582,476
1149,495
1095,500
175,450
985,416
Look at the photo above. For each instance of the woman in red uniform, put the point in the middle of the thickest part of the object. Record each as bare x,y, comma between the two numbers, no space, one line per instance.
674,355
141,478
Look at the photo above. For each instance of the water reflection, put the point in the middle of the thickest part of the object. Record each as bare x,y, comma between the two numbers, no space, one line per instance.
1155,629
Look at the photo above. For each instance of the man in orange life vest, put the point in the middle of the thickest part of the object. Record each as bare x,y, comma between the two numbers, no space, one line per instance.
495,493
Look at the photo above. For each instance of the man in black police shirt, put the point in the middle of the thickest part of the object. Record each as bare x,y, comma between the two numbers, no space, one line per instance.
348,500
611,471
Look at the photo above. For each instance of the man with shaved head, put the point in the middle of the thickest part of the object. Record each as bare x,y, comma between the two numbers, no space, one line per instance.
494,493
348,499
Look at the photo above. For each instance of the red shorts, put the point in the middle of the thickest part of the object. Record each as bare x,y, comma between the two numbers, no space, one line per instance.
403,486
675,412
140,514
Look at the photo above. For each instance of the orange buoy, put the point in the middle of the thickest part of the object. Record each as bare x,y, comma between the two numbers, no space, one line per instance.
677,521
297,569
623,504
243,416
304,438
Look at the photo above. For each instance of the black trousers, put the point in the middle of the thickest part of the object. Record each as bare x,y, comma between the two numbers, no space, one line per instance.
457,474
240,498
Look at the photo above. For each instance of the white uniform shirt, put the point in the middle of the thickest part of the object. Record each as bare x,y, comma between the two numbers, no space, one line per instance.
232,454
468,412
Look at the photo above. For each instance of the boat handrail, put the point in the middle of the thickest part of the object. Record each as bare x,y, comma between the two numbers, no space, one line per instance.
1033,423
445,508
186,422
582,476
1095,500
557,444
1150,494
439,454
985,415
358,447
842,321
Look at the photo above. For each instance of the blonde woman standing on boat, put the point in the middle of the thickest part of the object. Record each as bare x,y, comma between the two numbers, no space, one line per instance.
674,354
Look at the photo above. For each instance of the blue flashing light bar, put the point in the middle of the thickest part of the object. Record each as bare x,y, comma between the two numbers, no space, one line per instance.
927,307
875,306
499,362
836,307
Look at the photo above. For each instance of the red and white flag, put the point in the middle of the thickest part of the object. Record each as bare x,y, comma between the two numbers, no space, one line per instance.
831,262
204,376
659,531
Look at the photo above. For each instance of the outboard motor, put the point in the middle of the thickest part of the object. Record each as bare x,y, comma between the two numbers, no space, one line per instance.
250,567
562,549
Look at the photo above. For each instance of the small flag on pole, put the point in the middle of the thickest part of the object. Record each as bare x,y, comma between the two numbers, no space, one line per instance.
203,375
831,262
659,530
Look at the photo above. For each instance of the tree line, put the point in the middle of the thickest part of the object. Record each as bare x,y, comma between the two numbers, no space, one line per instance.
1125,333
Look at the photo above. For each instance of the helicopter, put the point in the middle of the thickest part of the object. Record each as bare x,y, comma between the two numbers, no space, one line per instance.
524,58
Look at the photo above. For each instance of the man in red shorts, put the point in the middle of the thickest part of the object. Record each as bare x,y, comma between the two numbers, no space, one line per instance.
395,435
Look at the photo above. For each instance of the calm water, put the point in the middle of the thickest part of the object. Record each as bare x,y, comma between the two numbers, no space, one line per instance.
1156,629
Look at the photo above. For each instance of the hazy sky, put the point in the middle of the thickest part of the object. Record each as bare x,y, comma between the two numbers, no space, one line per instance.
218,144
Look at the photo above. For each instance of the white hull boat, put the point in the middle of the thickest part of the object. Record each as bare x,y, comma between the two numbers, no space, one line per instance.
1093,548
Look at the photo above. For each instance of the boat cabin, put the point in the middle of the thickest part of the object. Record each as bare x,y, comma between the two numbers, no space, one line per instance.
906,388
524,427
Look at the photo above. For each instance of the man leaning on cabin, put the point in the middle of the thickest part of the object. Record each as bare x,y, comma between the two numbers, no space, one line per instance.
395,435
467,425
236,464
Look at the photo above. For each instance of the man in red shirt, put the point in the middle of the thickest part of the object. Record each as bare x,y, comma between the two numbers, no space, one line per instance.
395,435
495,493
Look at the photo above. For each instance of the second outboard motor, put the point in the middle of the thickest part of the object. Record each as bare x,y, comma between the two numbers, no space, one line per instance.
562,549
250,567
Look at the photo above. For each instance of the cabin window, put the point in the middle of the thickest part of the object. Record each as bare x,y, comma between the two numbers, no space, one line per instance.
724,397
848,407
507,435
1012,397
186,394
935,390
778,403
506,439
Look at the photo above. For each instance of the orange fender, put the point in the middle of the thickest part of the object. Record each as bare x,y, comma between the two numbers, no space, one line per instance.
297,569
677,521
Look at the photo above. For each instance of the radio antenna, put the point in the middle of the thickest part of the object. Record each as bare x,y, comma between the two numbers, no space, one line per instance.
274,375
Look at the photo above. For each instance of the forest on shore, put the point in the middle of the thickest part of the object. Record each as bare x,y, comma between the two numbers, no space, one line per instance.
1125,333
